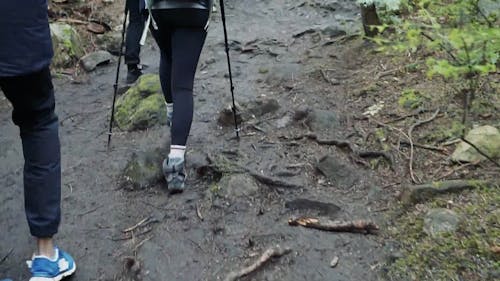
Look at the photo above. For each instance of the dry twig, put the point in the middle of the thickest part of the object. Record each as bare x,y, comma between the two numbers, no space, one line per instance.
266,256
410,130
358,226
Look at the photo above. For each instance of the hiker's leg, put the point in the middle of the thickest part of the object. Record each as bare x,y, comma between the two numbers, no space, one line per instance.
187,44
32,97
134,33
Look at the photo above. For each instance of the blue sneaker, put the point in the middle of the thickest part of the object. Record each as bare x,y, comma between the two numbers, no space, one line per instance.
175,174
45,269
6,280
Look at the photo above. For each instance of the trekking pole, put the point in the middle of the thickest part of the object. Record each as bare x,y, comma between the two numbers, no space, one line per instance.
223,15
115,86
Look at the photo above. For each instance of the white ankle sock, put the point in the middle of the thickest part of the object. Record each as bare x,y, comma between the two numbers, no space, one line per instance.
170,107
177,151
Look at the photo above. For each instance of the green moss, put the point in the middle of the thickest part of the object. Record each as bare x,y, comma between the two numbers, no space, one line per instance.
411,99
446,132
142,106
463,255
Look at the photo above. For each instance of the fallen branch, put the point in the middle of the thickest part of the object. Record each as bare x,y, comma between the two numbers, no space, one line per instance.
358,226
143,222
420,193
266,256
73,21
428,147
410,130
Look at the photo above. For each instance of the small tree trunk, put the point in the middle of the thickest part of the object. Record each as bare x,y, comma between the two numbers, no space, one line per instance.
370,18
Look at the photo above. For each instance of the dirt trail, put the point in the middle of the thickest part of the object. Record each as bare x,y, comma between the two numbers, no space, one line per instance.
176,244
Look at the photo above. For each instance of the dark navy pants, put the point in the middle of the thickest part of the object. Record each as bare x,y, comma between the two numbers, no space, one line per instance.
180,36
32,98
134,33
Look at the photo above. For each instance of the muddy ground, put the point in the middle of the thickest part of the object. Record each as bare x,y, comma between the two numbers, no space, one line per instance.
280,49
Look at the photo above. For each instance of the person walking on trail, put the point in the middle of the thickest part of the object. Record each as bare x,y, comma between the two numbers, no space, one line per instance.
179,28
132,45
25,56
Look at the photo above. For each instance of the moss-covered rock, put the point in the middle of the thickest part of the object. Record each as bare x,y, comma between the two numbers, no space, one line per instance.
142,106
67,45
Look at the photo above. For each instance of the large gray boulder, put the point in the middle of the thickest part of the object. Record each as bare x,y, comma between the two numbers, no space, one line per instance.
486,138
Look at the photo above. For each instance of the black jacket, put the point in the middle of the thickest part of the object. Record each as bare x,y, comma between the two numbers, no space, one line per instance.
25,44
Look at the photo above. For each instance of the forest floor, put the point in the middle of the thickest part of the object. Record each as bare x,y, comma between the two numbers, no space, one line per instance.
309,56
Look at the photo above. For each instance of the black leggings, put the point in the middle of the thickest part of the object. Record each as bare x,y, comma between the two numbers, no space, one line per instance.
180,36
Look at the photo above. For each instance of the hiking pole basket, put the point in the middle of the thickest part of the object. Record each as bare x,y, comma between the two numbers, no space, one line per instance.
115,86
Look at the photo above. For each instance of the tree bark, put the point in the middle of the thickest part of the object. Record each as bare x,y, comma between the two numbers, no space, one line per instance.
370,18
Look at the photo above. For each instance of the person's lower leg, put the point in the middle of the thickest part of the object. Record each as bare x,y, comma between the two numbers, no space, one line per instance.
46,247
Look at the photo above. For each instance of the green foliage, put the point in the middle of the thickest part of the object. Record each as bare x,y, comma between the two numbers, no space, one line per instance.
462,255
411,99
460,38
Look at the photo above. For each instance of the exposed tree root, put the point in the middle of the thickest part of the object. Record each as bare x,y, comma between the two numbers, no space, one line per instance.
358,226
346,144
272,180
266,256
420,193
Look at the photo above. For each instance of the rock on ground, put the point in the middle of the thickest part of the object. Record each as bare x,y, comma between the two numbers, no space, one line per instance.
142,106
66,43
326,124
92,60
247,111
337,171
237,186
438,221
144,169
486,138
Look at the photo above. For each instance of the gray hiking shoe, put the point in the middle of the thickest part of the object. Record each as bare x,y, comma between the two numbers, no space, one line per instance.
175,174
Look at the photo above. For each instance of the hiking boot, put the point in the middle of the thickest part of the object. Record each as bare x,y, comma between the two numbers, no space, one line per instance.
133,74
45,269
175,174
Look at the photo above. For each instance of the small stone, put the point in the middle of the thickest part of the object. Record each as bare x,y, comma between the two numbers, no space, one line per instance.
486,138
283,122
333,31
438,221
144,169
337,172
92,60
237,186
334,262
324,123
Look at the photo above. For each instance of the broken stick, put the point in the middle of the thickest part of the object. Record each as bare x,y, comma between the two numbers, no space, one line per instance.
267,255
358,226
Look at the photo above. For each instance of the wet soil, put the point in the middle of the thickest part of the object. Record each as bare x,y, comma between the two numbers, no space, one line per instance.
280,49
